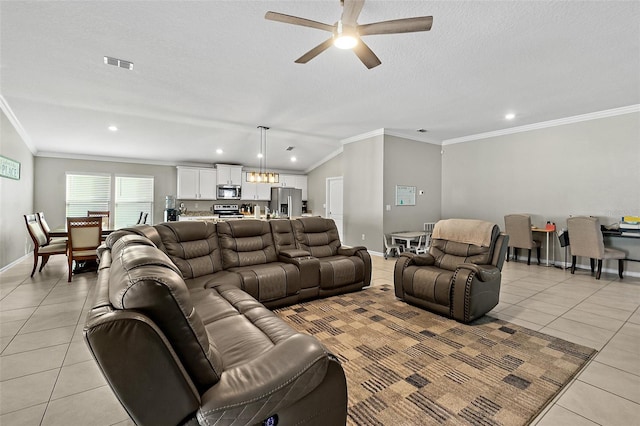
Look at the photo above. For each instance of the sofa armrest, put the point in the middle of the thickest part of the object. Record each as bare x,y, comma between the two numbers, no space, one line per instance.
255,390
350,251
483,272
294,253
423,259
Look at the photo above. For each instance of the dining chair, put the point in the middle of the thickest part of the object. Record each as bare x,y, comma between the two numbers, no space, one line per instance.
518,227
142,219
84,238
420,247
428,229
103,214
586,240
47,230
41,246
390,247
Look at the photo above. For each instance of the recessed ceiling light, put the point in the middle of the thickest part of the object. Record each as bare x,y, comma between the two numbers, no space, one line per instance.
294,159
259,155
510,116
113,128
218,151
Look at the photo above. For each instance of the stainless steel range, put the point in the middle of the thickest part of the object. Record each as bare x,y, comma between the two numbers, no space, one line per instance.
227,211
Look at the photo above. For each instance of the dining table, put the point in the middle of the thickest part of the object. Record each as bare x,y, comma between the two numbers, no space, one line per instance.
61,231
407,237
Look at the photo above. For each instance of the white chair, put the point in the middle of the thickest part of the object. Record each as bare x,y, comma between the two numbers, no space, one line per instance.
390,248
420,248
428,229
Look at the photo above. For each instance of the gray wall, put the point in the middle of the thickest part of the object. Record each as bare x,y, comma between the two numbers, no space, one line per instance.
317,183
363,194
585,168
50,183
16,196
411,163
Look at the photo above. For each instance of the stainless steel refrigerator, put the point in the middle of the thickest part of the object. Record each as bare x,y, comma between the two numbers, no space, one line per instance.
286,201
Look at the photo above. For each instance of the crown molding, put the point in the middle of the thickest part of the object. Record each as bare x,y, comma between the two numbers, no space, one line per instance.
422,139
324,160
368,135
545,124
67,156
16,125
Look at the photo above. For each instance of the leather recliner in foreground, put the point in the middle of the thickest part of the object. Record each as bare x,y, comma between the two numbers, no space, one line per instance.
460,276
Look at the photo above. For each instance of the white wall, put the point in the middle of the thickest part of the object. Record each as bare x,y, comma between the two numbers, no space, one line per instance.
585,168
16,196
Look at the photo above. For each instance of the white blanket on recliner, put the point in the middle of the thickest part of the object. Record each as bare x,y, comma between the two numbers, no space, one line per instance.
468,231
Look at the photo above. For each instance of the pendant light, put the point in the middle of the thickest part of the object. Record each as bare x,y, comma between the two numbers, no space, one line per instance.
263,176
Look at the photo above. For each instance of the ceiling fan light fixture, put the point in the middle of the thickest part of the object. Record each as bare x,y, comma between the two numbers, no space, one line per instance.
345,37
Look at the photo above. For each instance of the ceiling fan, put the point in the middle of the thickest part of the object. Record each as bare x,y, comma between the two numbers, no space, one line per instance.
347,32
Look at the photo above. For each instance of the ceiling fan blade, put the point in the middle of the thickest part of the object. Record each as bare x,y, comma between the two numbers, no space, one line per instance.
366,55
406,25
294,20
351,10
315,52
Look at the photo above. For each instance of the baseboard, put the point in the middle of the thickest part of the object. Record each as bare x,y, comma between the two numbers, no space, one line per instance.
567,265
10,265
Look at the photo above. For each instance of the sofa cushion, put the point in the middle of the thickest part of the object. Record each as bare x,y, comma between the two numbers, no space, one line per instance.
317,235
192,246
338,271
144,279
246,242
269,281
449,254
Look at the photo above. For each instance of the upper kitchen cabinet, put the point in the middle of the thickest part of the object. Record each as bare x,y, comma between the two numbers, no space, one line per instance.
255,191
196,184
295,181
229,174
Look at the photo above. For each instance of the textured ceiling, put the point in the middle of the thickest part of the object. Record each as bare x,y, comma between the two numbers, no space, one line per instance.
207,73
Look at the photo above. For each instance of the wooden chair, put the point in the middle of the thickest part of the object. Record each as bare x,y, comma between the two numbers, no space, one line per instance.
41,246
84,238
103,214
586,240
143,218
47,229
421,247
390,248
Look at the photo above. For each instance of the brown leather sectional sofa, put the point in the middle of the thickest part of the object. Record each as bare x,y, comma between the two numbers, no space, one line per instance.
180,328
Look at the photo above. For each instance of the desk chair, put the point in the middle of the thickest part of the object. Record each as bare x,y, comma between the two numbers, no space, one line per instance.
390,248
103,214
41,246
84,238
586,240
518,227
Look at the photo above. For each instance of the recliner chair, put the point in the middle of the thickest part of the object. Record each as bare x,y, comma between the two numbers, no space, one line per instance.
460,275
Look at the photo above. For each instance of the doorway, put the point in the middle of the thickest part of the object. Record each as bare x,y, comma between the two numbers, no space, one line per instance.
334,206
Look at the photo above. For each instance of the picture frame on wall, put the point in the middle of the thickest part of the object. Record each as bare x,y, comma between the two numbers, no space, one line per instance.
9,168
405,195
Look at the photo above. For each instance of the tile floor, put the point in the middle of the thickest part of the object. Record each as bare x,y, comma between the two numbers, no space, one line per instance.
47,376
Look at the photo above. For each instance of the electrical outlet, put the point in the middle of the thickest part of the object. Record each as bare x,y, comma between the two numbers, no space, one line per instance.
388,207
362,237
196,206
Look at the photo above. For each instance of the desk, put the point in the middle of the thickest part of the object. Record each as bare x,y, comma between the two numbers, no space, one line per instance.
407,237
631,235
548,232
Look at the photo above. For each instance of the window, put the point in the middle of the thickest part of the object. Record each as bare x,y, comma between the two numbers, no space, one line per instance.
134,195
87,192
130,196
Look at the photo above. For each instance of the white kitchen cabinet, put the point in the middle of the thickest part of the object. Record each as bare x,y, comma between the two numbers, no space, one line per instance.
196,183
229,174
255,191
295,181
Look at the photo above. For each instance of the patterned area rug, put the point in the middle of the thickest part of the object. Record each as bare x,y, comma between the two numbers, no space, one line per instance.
407,366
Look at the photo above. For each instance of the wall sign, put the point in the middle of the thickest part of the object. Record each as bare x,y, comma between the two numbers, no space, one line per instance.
405,195
9,168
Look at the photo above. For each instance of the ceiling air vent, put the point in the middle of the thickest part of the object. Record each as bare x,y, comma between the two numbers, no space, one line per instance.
118,62
290,148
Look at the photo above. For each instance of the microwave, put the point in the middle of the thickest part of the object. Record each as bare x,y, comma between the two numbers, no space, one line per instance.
229,192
